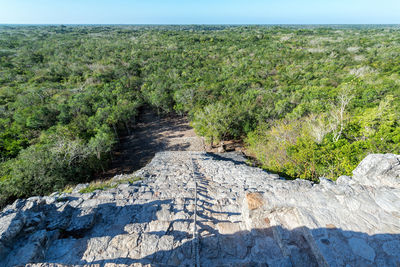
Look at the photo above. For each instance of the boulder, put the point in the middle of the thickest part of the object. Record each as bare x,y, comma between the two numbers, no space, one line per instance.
221,148
80,187
379,170
10,226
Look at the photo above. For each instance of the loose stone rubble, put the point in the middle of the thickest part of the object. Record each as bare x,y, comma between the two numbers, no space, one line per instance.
245,217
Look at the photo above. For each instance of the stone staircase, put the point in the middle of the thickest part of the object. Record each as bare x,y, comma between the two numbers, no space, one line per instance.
245,217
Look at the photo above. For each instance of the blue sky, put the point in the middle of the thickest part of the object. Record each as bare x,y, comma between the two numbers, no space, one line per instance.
199,12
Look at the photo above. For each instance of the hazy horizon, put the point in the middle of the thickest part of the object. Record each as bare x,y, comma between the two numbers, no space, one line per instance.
206,12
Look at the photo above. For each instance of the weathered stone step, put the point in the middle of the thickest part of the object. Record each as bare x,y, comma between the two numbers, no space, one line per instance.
246,217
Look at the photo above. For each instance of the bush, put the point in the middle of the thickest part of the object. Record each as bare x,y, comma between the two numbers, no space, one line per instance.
215,122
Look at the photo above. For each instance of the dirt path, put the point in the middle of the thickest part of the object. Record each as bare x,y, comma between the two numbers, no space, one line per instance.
152,134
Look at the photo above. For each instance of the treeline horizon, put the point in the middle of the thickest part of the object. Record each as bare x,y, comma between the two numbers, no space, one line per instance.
308,101
296,25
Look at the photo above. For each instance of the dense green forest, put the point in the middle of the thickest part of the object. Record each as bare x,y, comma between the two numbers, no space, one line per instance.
308,101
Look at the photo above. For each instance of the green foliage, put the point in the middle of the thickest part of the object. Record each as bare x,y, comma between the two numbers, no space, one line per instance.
310,148
214,121
102,142
97,186
310,102
61,107
104,185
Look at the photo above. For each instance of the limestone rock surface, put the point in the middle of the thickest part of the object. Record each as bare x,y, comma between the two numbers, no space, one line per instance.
379,170
214,209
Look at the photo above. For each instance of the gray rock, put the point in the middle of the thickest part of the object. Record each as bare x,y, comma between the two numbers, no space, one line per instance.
362,249
34,204
388,201
79,187
149,245
265,249
81,221
31,251
326,184
344,180
379,170
392,248
287,223
59,218
10,226
17,205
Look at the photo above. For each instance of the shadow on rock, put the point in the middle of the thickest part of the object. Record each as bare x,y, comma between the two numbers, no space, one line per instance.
70,231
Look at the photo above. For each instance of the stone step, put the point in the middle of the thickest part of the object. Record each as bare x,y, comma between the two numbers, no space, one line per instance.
245,218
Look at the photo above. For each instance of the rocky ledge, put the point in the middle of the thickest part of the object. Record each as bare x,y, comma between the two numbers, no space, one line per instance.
243,217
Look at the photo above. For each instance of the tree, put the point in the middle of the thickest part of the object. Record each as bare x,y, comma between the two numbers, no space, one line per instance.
339,114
